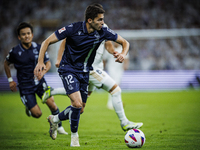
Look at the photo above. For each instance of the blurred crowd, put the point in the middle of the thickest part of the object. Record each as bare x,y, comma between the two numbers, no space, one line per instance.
49,15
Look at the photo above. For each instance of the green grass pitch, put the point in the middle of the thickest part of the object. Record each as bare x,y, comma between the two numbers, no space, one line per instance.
171,122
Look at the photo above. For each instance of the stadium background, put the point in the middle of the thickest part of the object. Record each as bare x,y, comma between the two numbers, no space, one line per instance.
155,63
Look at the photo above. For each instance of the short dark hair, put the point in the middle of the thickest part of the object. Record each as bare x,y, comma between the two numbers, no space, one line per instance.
98,5
22,26
93,10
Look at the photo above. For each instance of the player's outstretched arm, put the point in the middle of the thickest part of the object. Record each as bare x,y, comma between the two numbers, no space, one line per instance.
40,65
109,47
12,84
125,48
60,53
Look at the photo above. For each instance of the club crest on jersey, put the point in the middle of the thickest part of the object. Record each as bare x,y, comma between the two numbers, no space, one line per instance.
35,51
61,30
70,87
19,53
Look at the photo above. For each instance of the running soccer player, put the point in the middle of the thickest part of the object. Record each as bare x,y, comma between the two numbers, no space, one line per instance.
98,78
24,57
82,41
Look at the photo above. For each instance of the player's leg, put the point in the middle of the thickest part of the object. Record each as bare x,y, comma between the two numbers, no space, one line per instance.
55,111
102,80
115,92
73,85
49,91
72,113
78,100
51,105
32,108
117,78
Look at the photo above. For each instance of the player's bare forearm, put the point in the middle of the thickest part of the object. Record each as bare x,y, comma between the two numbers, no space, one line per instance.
7,68
125,48
125,45
48,66
60,53
109,47
12,84
40,65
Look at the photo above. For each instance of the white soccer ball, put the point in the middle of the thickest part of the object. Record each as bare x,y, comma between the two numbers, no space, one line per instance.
134,138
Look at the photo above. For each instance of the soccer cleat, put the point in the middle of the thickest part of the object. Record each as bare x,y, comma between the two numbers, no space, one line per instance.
28,112
61,130
131,125
74,141
53,127
46,94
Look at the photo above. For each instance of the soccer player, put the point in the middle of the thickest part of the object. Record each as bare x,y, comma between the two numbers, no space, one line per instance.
100,79
24,57
82,41
112,67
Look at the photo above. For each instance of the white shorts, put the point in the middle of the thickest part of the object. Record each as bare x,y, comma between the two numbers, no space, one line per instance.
100,79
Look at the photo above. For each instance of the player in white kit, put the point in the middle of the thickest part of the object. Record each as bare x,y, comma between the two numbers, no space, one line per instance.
115,70
99,79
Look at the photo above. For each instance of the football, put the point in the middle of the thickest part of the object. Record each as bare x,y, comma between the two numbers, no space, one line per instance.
134,138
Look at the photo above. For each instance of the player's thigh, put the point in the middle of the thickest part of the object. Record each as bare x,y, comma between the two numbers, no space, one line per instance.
101,79
36,111
29,100
71,82
76,99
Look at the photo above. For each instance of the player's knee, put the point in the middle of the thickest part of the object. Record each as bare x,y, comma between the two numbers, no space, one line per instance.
77,104
37,114
116,91
82,109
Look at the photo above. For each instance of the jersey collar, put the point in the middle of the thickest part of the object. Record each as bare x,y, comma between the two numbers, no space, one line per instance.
22,48
86,31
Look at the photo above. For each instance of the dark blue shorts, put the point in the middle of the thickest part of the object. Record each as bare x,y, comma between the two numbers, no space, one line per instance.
28,96
75,81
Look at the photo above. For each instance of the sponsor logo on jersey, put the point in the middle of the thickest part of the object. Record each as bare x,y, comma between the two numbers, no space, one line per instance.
61,30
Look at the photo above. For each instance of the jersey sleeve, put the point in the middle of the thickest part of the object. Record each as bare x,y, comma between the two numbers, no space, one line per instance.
64,32
10,57
110,34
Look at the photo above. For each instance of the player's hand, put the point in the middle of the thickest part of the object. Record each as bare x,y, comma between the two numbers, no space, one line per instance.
120,57
57,64
13,86
39,70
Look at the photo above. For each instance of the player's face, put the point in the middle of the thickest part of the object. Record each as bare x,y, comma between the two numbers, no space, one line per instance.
98,22
25,36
